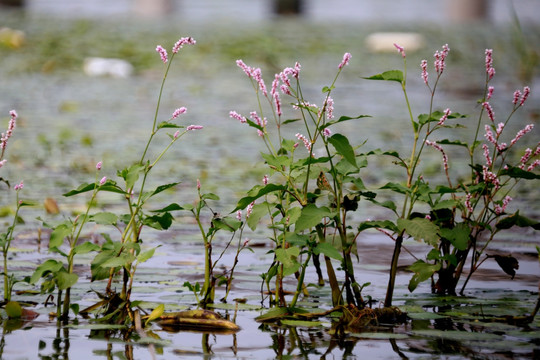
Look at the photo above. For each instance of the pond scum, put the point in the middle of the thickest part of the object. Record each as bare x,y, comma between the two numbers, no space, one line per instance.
306,202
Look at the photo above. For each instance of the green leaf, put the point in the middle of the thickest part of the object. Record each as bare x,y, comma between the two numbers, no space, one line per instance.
287,257
117,261
159,222
209,196
328,250
85,248
131,175
288,121
396,187
517,220
390,75
146,255
380,224
258,211
342,119
517,173
81,189
255,193
65,280
422,272
452,142
458,236
276,161
326,89
163,188
156,313
343,147
49,266
166,124
104,218
311,216
226,223
170,207
420,228
273,314
58,235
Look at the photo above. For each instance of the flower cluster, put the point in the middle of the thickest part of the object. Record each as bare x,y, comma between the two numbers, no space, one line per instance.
306,142
11,126
490,70
436,146
177,46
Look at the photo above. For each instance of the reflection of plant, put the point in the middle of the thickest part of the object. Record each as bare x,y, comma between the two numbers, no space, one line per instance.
479,202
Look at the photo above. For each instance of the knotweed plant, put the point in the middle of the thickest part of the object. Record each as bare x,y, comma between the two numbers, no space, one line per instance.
311,185
122,253
464,214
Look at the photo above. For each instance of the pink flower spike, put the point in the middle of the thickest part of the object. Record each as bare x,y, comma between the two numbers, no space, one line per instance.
103,180
183,41
98,166
499,130
163,53
330,108
447,112
490,70
526,92
400,49
517,95
327,132
239,215
19,186
176,134
198,184
534,165
178,112
257,75
306,142
265,180
194,127
521,133
438,147
248,70
3,162
486,155
468,205
423,65
345,61
490,92
489,110
237,116
489,135
13,114
249,209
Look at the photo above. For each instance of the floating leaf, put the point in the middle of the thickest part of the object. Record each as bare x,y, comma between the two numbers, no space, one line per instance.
301,323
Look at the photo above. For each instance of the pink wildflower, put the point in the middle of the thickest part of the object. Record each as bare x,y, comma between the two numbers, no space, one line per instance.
440,59
427,217
183,41
533,165
526,92
98,166
489,135
489,110
400,49
285,89
499,130
486,155
178,112
526,156
11,126
500,209
490,92
239,215
265,180
3,162
490,70
345,61
103,180
330,108
277,101
249,209
326,132
306,142
194,127
257,75
248,70
237,116
275,85
517,95
447,112
438,147
198,184
521,133
490,177
423,65
163,53
176,134
468,205
297,68
19,186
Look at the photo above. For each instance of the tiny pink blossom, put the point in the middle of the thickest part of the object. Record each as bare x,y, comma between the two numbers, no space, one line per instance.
440,59
98,166
499,130
345,61
306,142
257,75
533,165
103,180
296,72
400,49
277,102
517,95
490,92
486,155
176,134
521,133
490,177
423,65
13,114
489,135
237,116
500,209
526,92
194,127
3,162
239,215
489,110
265,180
183,41
490,70
275,84
438,147
285,89
428,216
330,108
526,156
162,53
178,112
198,184
19,186
447,112
468,205
248,70
249,209
327,132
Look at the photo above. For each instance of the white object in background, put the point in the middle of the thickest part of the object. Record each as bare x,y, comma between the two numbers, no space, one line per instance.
95,66
384,41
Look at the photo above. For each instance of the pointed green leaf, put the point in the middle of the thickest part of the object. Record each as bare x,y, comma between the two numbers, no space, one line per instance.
156,313
420,228
257,192
258,211
328,250
515,172
517,220
390,75
104,218
311,216
58,235
343,147
422,272
458,236
145,255
85,248
48,266
65,280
